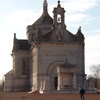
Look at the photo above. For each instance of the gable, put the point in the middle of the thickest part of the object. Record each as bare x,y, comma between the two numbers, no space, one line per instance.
59,35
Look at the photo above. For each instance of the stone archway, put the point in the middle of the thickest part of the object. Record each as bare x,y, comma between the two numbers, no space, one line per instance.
52,73
54,65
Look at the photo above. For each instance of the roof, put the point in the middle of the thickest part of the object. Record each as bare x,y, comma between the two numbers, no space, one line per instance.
66,65
11,72
45,22
44,19
23,45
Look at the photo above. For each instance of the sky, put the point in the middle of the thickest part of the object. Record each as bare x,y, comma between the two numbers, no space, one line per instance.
16,15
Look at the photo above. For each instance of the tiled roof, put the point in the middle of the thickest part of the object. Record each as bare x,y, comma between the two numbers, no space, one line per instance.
44,19
45,23
67,65
23,45
11,72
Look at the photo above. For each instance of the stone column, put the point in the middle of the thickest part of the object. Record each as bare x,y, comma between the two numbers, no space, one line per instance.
71,80
59,81
74,80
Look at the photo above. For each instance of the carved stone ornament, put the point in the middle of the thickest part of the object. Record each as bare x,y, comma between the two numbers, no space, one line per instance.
59,33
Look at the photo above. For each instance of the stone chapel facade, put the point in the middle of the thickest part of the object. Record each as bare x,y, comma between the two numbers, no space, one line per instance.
51,59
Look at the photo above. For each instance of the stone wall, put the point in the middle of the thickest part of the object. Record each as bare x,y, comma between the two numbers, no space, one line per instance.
51,55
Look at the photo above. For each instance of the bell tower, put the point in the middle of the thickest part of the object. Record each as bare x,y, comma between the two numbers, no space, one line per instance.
59,16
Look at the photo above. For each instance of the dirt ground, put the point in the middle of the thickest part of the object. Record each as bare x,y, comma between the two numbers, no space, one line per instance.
77,97
69,97
37,96
92,96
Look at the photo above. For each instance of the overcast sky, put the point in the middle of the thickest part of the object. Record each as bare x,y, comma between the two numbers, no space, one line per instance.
15,15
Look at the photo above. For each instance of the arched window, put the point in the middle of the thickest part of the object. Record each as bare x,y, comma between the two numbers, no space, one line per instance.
59,18
24,67
32,37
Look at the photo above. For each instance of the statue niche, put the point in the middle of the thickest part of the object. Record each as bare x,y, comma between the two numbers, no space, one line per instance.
59,32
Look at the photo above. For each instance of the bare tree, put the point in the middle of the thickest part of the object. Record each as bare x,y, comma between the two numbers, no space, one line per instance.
1,85
95,71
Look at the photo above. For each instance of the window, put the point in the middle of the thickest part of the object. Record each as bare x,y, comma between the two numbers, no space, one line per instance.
24,68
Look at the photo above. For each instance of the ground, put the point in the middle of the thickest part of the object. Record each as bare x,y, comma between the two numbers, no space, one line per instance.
37,96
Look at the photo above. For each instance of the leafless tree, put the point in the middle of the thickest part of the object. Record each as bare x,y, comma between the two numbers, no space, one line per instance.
95,71
1,86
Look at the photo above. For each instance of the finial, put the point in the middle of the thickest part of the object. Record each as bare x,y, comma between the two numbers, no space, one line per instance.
45,3
79,28
14,35
58,1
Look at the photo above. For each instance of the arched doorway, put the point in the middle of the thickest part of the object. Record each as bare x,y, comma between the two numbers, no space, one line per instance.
55,82
52,73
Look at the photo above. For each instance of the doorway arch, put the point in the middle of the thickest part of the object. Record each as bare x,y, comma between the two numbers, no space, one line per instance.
52,73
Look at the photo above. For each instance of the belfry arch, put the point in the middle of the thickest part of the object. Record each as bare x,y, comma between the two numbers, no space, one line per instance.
58,18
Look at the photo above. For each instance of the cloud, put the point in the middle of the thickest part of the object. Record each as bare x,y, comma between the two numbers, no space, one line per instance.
76,17
79,5
76,10
93,32
21,18
92,52
98,31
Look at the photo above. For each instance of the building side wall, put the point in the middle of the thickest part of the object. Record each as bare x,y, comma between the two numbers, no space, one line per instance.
18,56
9,83
21,81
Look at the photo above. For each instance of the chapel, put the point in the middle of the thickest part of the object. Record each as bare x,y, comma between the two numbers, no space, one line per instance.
51,59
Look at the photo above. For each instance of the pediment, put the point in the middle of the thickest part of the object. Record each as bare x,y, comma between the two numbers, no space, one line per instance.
59,35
